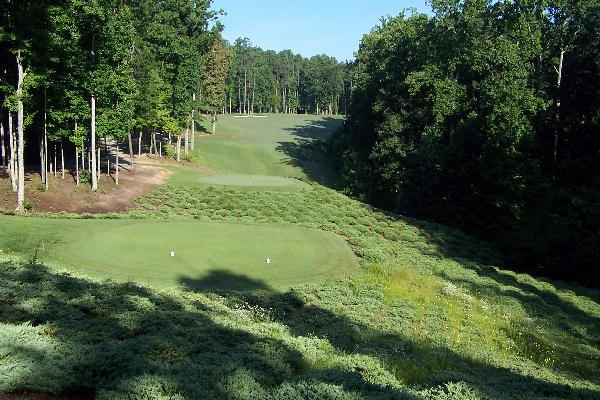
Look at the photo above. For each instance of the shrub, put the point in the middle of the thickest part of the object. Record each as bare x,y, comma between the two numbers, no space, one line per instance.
85,177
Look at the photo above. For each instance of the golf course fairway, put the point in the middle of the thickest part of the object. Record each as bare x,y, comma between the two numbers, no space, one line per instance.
207,255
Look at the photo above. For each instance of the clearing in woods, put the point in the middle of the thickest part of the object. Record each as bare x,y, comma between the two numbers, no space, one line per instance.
270,153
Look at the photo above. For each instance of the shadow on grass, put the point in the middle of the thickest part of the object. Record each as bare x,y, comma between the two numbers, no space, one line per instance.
310,150
419,364
224,281
63,335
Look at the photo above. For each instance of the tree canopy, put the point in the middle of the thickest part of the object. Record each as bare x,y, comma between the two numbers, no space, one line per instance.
486,116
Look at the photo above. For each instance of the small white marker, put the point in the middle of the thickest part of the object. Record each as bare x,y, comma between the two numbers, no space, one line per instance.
172,254
268,261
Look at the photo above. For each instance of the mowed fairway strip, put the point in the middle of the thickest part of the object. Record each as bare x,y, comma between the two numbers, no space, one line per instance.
270,149
208,255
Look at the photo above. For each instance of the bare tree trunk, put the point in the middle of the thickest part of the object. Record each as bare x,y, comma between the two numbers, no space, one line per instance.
62,160
214,123
186,144
229,104
107,156
160,148
193,132
117,163
140,144
21,137
13,144
179,147
131,151
559,71
83,158
2,148
46,157
55,161
41,143
99,163
245,93
239,96
93,147
77,165
253,85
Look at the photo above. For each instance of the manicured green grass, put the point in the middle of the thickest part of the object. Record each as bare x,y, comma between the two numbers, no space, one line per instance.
195,178
208,255
279,145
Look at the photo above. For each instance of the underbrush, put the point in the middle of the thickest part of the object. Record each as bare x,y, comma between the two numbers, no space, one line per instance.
429,315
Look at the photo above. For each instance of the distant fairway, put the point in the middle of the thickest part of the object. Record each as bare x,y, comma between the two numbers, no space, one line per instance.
271,147
208,255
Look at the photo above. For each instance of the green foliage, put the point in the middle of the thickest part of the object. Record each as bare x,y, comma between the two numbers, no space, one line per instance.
85,177
458,118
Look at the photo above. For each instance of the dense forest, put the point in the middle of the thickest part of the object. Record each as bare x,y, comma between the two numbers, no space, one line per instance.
269,81
486,115
83,80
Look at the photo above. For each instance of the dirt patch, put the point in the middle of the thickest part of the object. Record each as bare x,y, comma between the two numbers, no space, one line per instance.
64,195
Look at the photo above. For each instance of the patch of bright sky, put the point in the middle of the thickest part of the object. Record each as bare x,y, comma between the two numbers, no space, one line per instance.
308,27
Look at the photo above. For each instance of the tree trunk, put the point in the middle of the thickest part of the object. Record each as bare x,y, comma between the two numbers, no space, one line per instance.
99,163
21,137
140,144
42,160
186,144
117,163
93,146
245,93
131,151
557,111
193,132
2,148
253,85
179,147
239,97
77,165
106,156
160,148
82,158
13,144
55,161
62,160
214,123
46,158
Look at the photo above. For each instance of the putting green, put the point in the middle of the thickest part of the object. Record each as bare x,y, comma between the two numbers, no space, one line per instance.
251,180
208,255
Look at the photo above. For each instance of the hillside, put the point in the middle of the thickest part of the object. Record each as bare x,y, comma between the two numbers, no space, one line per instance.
428,312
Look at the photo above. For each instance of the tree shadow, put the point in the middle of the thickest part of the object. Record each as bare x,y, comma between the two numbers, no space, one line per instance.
419,364
309,150
224,281
65,337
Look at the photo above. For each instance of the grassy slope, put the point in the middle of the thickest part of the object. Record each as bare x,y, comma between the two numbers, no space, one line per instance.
280,145
427,315
207,254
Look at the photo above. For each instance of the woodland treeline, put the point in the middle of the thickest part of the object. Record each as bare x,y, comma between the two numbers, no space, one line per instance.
486,115
268,81
83,80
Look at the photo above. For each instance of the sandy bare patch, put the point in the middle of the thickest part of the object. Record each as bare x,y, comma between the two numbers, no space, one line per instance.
64,195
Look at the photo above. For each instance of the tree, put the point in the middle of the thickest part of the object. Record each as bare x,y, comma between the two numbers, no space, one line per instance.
215,74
